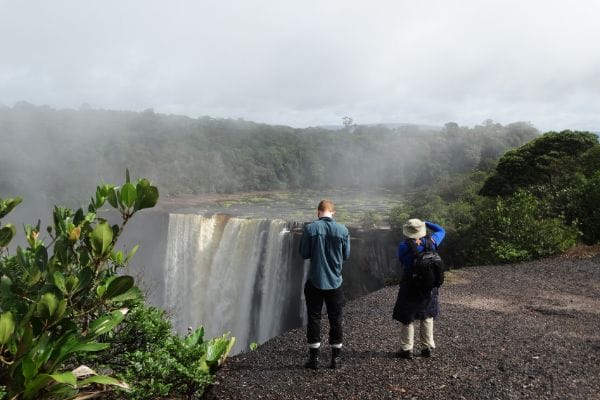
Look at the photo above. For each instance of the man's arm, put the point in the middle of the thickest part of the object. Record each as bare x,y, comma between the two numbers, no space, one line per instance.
346,247
305,244
438,232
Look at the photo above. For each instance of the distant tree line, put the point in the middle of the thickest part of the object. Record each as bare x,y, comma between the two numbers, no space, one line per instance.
58,152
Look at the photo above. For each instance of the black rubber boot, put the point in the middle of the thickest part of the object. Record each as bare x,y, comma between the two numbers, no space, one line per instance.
427,352
313,359
406,354
336,358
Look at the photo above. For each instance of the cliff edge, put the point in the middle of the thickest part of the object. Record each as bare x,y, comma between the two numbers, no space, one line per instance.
528,330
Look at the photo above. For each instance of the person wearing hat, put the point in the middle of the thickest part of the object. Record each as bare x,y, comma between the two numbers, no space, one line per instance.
327,244
408,308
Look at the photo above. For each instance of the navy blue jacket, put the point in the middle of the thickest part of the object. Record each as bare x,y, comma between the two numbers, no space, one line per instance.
327,244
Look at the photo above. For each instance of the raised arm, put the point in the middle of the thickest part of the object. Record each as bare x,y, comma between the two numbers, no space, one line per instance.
438,232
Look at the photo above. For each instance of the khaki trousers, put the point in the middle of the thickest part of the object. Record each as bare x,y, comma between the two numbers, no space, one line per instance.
407,333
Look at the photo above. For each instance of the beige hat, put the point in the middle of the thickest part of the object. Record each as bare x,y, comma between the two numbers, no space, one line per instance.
414,228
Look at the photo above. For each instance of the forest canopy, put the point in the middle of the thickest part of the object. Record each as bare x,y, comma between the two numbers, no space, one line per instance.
57,152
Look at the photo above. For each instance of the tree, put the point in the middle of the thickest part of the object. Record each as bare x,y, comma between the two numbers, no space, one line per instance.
546,161
348,122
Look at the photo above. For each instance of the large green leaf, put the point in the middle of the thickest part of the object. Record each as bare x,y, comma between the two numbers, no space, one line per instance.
147,195
7,327
101,238
90,347
195,338
41,381
82,281
33,387
132,294
41,258
118,286
5,287
64,347
47,305
216,349
106,323
60,311
59,281
42,350
112,197
132,253
28,367
128,195
7,232
65,377
7,205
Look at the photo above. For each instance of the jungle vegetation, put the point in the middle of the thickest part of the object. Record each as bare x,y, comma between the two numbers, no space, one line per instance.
59,152
539,200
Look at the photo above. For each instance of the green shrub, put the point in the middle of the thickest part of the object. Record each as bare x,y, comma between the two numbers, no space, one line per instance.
546,161
515,229
588,211
73,309
156,363
57,299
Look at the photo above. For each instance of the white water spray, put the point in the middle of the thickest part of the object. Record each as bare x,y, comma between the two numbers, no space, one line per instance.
231,275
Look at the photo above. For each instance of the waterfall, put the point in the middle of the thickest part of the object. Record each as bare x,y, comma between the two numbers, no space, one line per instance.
232,275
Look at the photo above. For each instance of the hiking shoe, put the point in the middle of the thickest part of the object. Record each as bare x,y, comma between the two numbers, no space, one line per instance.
313,359
427,352
406,354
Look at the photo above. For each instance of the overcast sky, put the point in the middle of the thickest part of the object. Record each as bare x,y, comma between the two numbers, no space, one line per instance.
307,63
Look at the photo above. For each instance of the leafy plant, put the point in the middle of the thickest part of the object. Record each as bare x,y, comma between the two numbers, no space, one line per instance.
156,363
515,229
546,161
588,212
58,298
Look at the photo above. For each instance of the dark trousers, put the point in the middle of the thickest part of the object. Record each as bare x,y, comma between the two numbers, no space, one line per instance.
334,301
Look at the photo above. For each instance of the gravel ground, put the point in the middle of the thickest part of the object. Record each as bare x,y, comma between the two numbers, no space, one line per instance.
525,331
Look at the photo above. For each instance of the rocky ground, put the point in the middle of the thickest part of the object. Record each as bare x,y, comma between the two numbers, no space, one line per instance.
525,331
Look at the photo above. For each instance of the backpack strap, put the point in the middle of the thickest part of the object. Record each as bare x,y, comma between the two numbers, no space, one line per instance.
414,248
428,244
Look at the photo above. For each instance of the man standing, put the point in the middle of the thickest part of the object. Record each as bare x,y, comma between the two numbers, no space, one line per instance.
327,244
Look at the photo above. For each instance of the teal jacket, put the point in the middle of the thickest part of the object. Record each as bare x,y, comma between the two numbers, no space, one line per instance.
327,244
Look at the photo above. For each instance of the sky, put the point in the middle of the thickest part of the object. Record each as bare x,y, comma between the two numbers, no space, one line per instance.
307,63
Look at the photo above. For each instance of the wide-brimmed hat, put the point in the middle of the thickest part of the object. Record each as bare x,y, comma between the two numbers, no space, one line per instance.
414,228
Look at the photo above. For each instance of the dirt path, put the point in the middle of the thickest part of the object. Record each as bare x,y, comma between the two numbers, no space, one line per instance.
526,331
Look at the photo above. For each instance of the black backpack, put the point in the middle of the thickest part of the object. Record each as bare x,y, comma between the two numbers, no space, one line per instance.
428,269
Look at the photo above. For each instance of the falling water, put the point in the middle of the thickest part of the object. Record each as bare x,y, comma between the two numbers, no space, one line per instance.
232,275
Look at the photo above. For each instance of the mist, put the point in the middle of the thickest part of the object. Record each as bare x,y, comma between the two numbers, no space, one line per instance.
52,156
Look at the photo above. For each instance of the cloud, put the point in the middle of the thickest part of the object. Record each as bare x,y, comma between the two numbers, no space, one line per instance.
311,62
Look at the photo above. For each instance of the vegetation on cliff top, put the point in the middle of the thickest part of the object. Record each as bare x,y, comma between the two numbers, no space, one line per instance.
65,325
539,200
205,155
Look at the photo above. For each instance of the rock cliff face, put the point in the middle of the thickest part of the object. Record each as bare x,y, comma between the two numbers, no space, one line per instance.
243,275
372,261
